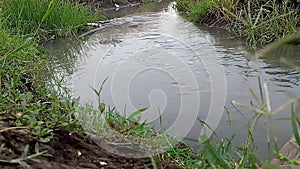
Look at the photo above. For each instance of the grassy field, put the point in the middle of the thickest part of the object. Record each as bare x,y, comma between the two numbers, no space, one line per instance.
38,104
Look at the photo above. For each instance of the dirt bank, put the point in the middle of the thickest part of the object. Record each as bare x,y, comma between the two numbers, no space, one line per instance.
67,151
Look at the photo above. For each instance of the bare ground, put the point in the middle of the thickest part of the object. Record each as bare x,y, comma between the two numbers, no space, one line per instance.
68,151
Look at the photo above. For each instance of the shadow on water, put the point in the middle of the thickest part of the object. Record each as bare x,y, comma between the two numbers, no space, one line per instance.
285,76
160,60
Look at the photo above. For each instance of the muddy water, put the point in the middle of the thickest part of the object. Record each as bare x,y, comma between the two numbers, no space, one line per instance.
179,71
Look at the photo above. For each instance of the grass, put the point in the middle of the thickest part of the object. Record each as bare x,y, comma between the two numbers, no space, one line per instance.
45,18
201,8
30,94
24,91
260,22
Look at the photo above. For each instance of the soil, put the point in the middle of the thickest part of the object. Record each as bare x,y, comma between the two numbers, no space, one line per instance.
68,151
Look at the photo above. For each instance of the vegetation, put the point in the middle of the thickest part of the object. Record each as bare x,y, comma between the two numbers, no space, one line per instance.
45,18
259,21
37,103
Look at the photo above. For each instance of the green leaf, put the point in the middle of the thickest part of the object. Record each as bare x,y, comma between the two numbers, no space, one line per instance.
214,153
36,148
24,44
295,126
51,7
25,152
136,113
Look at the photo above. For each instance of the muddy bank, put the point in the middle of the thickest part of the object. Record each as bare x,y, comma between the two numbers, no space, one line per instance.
66,150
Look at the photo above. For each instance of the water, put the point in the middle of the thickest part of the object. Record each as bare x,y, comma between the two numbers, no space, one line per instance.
186,72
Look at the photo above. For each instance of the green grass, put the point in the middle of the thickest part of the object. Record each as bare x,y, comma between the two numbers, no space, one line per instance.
29,91
45,18
24,90
260,22
201,8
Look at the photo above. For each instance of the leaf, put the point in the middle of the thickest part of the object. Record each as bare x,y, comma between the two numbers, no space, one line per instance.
295,127
45,140
36,160
25,152
24,164
50,10
96,91
102,107
214,153
136,113
24,44
36,148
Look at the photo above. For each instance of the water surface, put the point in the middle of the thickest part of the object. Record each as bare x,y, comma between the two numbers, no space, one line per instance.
184,72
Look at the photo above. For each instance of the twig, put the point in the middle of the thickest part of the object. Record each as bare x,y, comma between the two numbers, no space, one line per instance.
13,128
91,31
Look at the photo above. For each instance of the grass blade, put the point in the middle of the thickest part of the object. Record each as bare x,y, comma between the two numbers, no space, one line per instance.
136,113
295,126
50,10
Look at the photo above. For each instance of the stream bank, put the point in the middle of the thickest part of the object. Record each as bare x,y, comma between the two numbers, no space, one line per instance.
259,22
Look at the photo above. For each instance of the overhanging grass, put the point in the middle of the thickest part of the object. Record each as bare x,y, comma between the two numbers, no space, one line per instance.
260,22
45,18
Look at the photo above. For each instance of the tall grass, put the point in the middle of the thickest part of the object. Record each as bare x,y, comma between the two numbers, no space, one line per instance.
201,8
45,18
260,21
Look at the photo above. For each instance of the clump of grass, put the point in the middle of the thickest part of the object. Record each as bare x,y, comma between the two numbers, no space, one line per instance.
24,92
45,18
41,104
29,90
184,5
260,22
201,8
264,21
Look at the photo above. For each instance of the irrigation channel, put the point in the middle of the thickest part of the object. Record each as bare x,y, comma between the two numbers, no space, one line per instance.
181,72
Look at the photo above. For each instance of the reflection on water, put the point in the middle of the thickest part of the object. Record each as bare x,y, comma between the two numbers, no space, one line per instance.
161,61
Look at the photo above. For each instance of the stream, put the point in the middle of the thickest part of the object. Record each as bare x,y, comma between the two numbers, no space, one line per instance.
182,72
